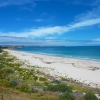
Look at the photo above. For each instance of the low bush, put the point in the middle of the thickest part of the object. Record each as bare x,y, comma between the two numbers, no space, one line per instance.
81,89
9,71
90,96
1,50
40,94
56,81
13,83
35,78
1,66
42,79
67,96
24,88
4,83
58,87
46,83
33,90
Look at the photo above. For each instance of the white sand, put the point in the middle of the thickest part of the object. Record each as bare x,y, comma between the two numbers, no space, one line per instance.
83,70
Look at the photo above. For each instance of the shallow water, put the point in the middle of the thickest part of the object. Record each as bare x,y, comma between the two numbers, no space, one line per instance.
81,52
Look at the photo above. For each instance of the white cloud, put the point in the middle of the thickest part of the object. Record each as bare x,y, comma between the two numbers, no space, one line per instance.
14,39
7,40
43,31
50,38
85,23
25,41
95,3
18,19
4,3
44,14
38,20
82,2
21,41
95,13
94,42
98,40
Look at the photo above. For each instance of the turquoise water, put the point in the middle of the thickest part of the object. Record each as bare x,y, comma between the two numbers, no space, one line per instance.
83,52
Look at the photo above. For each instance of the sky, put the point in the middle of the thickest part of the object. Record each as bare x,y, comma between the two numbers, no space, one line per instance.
50,22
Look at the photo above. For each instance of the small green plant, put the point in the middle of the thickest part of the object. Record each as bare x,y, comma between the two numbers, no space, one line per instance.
81,89
24,88
5,83
57,81
46,83
59,87
33,90
45,88
1,66
13,83
1,50
42,79
35,78
67,96
90,96
40,94
9,71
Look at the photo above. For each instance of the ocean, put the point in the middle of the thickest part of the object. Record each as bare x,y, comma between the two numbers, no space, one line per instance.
79,52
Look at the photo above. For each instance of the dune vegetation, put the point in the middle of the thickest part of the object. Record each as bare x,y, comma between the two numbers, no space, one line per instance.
20,81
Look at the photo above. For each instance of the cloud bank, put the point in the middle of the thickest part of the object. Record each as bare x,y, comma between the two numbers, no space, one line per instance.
44,31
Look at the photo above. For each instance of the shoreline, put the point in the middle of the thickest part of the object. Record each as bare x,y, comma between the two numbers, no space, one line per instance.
85,71
53,55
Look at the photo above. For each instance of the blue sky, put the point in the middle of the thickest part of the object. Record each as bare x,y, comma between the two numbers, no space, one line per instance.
50,22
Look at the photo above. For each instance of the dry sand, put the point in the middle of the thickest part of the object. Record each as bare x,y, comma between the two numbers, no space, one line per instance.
85,71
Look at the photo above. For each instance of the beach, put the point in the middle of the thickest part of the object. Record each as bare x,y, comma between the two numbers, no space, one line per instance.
85,71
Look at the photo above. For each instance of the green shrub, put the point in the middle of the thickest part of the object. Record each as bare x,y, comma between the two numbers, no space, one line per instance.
56,81
81,89
59,87
40,94
24,88
9,71
1,66
13,83
90,96
45,88
42,79
38,84
35,78
2,74
4,83
67,96
46,83
33,90
1,50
